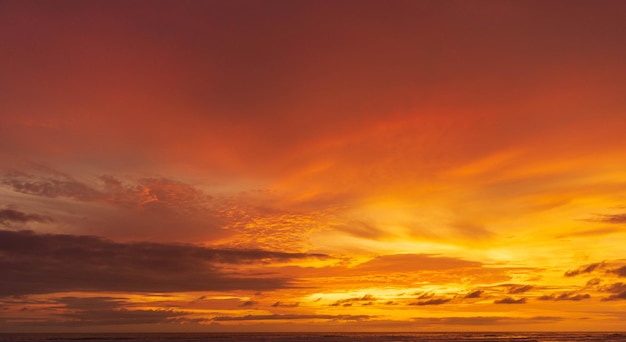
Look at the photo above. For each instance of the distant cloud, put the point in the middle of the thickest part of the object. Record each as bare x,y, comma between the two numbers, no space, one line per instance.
520,289
49,183
609,218
349,301
414,262
45,263
292,317
618,291
474,294
285,305
565,296
484,320
10,216
437,301
248,303
510,300
621,271
584,269
99,311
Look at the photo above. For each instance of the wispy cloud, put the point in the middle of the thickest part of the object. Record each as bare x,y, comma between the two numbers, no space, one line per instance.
584,269
609,218
474,294
520,289
485,320
285,305
618,291
368,298
103,311
620,272
510,300
292,317
10,216
414,262
565,296
436,301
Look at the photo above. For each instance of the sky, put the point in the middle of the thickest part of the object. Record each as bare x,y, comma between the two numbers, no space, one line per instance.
312,165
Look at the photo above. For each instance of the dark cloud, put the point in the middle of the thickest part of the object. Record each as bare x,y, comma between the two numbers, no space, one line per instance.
10,216
437,301
474,294
424,295
621,272
292,317
565,296
609,218
584,269
100,311
510,300
614,288
91,303
248,303
122,317
617,296
593,282
519,289
45,263
484,320
349,301
618,291
285,305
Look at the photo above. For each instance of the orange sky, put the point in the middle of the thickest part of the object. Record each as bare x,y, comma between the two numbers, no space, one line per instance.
312,165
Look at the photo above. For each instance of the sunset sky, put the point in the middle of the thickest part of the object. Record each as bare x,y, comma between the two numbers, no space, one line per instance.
312,165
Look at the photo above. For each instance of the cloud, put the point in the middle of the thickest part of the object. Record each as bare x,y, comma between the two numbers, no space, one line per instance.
348,301
45,263
618,291
584,269
437,301
484,320
510,300
292,317
285,305
248,303
49,183
9,216
565,296
519,289
621,272
413,263
617,296
474,294
100,311
609,218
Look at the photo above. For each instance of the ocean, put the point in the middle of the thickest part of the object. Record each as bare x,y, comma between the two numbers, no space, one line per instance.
323,337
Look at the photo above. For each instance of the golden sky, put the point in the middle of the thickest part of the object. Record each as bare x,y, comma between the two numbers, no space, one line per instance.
312,165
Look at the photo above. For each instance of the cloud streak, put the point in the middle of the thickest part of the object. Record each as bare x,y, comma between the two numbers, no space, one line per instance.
584,269
565,296
11,216
510,300
289,317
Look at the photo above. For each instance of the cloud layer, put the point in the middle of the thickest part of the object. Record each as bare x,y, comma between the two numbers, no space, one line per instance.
46,263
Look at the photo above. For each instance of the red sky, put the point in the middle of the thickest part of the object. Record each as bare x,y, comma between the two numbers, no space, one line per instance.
312,165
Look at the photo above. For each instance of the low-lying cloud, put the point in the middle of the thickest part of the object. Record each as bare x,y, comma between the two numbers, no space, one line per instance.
45,263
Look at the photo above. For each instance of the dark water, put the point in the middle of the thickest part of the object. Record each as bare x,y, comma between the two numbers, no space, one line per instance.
324,337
